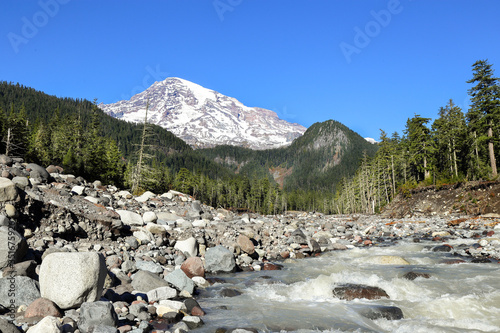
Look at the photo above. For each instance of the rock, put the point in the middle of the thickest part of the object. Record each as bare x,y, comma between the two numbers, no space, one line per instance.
193,266
246,244
145,281
6,327
374,312
79,190
192,321
37,172
148,266
353,291
130,218
165,216
148,217
145,196
4,221
8,190
6,160
162,293
229,292
21,290
442,248
219,259
42,307
93,314
188,246
441,234
47,325
413,275
193,307
13,246
180,281
24,268
156,229
144,236
21,182
271,267
200,282
70,279
10,210
105,329
387,260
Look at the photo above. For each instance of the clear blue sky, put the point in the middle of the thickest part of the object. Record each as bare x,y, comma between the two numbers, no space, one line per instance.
368,64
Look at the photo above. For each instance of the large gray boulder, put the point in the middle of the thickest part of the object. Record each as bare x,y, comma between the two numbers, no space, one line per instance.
180,281
218,259
8,190
70,279
19,289
5,160
145,281
13,246
130,218
37,171
96,314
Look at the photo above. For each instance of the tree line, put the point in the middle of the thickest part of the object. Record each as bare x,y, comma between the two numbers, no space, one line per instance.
456,147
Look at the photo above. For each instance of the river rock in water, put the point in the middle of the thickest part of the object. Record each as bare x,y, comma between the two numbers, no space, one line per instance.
353,291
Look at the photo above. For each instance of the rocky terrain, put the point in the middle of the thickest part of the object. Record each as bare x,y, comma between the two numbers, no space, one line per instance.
77,256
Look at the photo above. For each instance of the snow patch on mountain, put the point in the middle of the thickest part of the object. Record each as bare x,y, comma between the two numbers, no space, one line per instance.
204,117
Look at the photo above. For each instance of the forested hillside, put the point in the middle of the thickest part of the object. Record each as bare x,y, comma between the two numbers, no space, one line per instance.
316,161
456,147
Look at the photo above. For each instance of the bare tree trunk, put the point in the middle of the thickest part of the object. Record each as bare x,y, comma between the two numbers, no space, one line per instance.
455,157
7,148
492,152
137,180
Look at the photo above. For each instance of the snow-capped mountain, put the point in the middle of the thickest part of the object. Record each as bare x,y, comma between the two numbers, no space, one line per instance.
204,117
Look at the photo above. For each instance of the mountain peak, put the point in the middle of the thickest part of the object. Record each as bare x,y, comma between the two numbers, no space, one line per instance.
204,117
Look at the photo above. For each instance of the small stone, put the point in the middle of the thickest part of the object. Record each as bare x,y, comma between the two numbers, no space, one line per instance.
42,307
246,244
93,314
180,281
188,246
46,325
353,291
414,275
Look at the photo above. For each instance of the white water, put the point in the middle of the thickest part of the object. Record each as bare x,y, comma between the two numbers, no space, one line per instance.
457,298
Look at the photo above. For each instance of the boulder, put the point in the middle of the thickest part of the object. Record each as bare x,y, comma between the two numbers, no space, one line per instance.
180,281
145,281
13,246
413,275
93,314
46,325
78,189
21,290
245,244
6,160
8,190
165,216
70,279
6,327
188,246
149,266
37,172
145,196
42,307
193,266
149,217
21,182
353,291
219,259
130,218
374,312
162,293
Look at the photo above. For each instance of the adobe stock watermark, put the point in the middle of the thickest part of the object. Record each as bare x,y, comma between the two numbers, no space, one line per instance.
223,6
284,114
372,29
31,27
11,248
153,74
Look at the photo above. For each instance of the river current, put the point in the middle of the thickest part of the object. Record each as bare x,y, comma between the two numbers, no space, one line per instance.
463,297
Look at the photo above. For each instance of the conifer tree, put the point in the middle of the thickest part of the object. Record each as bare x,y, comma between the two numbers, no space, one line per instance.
484,112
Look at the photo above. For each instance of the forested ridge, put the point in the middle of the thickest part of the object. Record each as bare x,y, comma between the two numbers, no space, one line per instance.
456,147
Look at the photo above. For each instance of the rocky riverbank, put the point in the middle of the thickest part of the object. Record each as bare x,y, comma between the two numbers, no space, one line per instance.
82,257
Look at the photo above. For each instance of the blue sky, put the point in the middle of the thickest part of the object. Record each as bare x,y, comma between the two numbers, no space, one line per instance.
368,64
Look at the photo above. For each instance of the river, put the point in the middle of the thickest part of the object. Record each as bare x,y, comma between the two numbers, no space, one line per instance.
463,297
